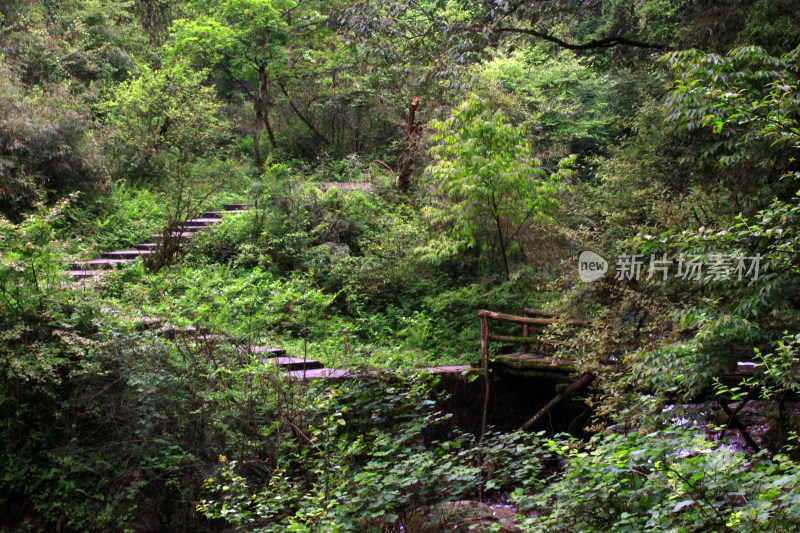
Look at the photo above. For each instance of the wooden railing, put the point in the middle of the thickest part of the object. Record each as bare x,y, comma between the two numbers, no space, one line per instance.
531,319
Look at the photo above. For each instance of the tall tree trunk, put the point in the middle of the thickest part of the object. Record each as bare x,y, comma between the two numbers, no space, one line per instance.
257,141
500,237
270,133
412,133
262,104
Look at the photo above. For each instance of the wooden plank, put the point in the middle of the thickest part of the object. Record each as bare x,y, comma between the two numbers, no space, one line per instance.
330,373
294,363
100,264
125,254
84,274
321,373
448,369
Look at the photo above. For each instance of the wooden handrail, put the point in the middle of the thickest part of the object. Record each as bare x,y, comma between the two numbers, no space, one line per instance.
530,321
507,338
526,340
540,314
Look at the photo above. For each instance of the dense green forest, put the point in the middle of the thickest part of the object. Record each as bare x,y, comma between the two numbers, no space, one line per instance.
400,166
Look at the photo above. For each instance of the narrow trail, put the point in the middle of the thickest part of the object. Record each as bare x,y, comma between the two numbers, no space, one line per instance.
295,367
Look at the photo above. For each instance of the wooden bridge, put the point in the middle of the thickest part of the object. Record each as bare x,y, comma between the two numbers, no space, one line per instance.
536,359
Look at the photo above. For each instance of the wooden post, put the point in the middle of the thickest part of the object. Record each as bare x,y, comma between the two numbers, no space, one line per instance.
485,364
526,348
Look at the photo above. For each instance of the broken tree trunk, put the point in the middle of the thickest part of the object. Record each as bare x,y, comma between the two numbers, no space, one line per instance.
412,135
584,380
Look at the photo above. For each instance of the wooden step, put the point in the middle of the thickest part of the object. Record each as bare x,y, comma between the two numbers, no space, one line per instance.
330,373
218,214
264,350
293,363
213,338
147,322
321,373
347,185
84,274
148,246
125,254
192,229
201,222
175,235
237,207
100,264
171,332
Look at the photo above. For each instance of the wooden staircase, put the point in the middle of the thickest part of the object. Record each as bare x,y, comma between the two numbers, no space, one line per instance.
269,355
295,367
119,258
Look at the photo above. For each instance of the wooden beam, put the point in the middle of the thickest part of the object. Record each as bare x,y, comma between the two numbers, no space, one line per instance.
584,380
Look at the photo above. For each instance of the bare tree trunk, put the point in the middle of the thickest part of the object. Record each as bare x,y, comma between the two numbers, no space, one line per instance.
262,106
302,117
412,134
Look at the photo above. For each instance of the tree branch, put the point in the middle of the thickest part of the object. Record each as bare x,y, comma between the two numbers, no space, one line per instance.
302,117
606,42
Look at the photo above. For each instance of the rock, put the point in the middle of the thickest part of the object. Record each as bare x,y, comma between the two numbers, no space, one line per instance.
460,516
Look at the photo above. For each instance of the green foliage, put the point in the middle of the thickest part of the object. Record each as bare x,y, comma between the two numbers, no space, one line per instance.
165,113
559,99
779,377
46,144
105,422
123,217
370,454
32,285
250,44
667,481
747,98
491,185
242,304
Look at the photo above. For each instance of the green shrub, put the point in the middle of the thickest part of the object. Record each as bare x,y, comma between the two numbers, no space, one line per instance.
674,480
